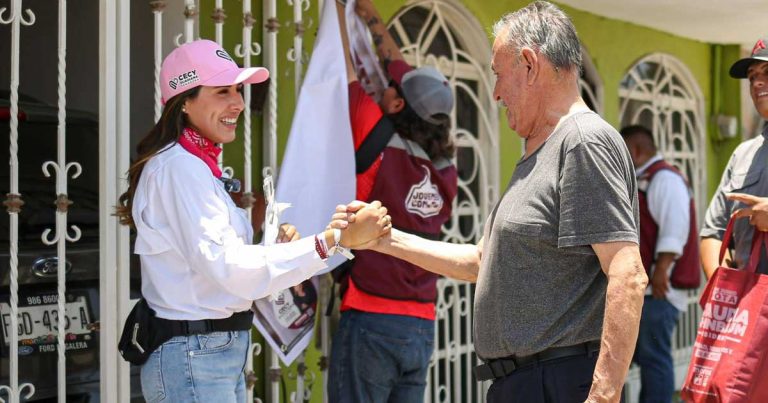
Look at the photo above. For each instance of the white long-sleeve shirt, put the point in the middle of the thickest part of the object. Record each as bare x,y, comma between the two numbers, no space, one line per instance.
669,204
194,244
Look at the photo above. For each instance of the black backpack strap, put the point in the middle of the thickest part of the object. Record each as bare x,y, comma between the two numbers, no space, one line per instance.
374,144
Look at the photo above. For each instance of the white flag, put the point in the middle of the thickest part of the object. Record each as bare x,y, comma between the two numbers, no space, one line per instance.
318,169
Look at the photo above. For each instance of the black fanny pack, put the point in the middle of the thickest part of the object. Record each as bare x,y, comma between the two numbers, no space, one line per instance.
144,332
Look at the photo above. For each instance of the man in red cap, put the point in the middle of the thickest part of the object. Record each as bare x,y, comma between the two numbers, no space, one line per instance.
743,178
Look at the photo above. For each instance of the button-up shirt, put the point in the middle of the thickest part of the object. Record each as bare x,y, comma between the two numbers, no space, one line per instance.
743,174
194,244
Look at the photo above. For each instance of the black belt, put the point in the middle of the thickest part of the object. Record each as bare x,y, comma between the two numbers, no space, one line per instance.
501,367
238,321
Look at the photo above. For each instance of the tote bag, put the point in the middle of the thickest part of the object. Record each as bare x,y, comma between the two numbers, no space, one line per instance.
728,361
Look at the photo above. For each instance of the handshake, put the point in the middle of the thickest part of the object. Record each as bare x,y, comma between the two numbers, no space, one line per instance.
361,224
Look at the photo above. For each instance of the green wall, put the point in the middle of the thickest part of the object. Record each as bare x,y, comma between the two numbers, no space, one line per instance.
613,45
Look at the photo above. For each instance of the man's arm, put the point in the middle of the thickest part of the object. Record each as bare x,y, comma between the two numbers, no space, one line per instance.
623,304
715,223
386,48
660,276
456,261
351,75
670,207
709,250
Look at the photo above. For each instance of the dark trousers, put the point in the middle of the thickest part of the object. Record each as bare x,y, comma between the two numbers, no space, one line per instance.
563,380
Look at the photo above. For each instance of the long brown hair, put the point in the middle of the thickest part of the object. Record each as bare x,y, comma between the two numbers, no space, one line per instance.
435,139
166,131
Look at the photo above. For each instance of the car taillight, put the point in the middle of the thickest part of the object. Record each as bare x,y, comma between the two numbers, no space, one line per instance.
5,114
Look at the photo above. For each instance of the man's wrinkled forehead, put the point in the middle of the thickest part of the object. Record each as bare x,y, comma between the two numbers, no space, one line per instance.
500,46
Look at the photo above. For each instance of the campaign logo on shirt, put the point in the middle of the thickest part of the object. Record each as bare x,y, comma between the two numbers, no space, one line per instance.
424,199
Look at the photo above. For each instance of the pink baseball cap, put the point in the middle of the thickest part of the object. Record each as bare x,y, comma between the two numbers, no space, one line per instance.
203,62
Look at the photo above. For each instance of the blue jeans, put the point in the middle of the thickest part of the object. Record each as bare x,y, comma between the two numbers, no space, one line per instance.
379,358
654,350
198,368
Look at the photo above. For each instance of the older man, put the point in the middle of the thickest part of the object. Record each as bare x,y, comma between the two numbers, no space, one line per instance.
559,278
743,174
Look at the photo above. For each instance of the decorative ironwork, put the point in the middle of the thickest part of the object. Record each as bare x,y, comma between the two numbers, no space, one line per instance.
15,397
270,121
303,382
245,49
15,15
157,5
13,203
16,18
322,363
62,203
247,200
190,10
218,16
254,349
274,374
272,25
248,20
659,92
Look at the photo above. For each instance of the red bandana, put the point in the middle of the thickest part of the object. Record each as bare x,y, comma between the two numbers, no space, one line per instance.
203,148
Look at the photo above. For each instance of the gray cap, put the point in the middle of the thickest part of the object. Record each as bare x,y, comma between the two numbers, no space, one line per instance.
759,54
428,93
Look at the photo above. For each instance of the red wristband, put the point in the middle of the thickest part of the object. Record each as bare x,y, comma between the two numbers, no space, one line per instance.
320,248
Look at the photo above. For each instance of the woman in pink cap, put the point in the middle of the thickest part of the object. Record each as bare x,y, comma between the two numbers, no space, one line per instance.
200,272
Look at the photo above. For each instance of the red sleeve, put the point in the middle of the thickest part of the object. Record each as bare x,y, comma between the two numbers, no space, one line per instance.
364,113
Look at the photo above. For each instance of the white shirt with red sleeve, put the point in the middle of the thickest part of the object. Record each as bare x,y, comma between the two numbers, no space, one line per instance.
197,261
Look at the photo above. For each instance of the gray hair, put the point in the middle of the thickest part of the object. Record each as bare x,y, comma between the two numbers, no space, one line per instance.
545,28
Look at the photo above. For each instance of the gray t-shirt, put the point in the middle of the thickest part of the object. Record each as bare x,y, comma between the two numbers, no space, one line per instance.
744,174
540,283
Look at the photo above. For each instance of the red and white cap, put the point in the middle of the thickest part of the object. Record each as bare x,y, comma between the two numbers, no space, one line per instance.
203,62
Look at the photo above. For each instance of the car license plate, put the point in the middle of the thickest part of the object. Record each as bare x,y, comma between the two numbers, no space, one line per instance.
38,319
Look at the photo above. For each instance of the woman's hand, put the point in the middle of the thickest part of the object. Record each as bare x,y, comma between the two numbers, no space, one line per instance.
341,218
287,233
366,223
